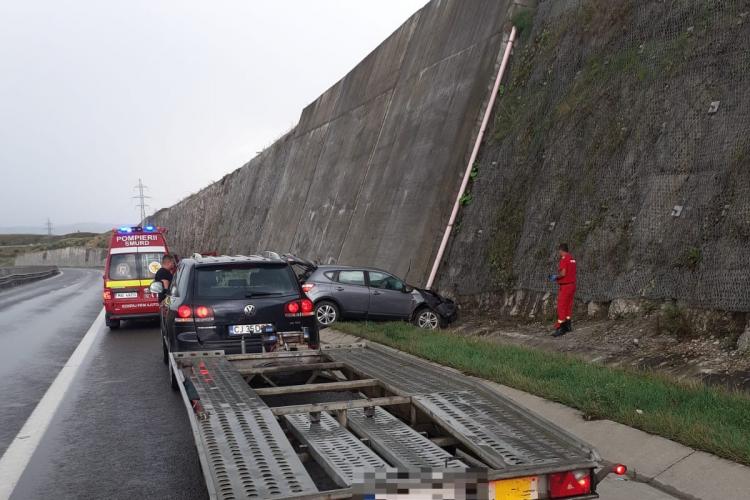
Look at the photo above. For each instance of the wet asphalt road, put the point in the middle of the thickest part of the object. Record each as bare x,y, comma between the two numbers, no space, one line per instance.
41,323
120,432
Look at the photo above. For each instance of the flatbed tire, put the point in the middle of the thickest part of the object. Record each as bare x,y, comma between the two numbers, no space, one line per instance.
173,378
165,354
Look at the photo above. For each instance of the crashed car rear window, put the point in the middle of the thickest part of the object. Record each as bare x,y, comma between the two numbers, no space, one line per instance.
244,281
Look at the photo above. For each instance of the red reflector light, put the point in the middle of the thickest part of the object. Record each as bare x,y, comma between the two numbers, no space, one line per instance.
306,287
107,294
569,484
184,311
307,306
620,469
203,312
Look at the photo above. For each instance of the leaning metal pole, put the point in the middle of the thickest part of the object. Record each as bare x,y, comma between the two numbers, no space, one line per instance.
474,153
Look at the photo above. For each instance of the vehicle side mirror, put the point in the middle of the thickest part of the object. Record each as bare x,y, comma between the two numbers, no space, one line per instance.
156,287
407,289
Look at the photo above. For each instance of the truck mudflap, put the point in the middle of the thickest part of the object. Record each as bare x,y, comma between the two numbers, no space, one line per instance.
358,420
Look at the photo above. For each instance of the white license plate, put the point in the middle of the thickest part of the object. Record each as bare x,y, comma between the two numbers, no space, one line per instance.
247,329
126,295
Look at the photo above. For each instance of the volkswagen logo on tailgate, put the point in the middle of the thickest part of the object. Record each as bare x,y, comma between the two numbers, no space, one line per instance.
249,310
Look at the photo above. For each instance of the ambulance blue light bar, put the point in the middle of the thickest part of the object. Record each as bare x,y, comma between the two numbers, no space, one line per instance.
138,229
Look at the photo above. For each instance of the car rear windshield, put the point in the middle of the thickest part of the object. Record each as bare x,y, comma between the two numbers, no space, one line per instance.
244,281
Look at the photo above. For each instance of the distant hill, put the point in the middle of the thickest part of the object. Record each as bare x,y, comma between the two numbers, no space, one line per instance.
12,245
84,227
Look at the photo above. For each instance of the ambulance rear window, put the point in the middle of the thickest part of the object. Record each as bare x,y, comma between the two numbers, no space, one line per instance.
149,264
123,266
134,266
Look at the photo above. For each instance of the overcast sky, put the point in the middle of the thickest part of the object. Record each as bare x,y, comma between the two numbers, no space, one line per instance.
95,94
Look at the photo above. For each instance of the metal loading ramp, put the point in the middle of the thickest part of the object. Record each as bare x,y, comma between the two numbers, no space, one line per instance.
247,452
504,435
398,443
399,412
340,453
495,435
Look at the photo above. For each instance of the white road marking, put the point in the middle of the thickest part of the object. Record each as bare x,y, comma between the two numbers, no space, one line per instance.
17,456
55,276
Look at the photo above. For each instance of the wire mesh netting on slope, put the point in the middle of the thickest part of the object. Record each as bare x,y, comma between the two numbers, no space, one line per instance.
623,129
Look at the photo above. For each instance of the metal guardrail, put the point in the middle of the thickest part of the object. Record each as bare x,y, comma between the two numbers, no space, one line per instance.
11,276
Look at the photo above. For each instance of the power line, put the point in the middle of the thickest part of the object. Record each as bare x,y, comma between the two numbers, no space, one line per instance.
141,200
48,225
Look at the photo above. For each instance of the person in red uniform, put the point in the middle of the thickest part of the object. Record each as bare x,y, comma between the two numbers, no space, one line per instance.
566,280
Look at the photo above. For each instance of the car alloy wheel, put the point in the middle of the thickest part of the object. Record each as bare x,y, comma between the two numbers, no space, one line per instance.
326,314
428,320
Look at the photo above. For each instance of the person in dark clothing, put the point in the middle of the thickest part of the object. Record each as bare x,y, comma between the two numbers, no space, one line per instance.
164,274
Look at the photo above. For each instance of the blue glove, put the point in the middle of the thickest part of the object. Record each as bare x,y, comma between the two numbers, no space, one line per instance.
553,277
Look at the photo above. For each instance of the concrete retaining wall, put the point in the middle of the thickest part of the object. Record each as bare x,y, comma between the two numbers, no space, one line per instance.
64,257
369,173
623,132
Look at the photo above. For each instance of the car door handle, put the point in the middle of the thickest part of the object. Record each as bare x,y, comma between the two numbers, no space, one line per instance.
340,288
376,293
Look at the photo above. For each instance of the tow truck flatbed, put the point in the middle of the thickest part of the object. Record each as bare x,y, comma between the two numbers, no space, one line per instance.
260,437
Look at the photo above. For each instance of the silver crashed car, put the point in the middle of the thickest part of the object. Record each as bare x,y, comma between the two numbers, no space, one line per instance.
355,293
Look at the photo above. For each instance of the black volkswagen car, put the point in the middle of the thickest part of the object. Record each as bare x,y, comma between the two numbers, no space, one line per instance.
235,304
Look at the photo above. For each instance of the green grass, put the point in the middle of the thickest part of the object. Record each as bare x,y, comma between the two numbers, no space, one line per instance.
524,21
705,418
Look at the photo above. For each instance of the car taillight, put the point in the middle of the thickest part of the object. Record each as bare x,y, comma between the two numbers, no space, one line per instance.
184,312
107,294
291,307
569,484
203,312
298,308
306,287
